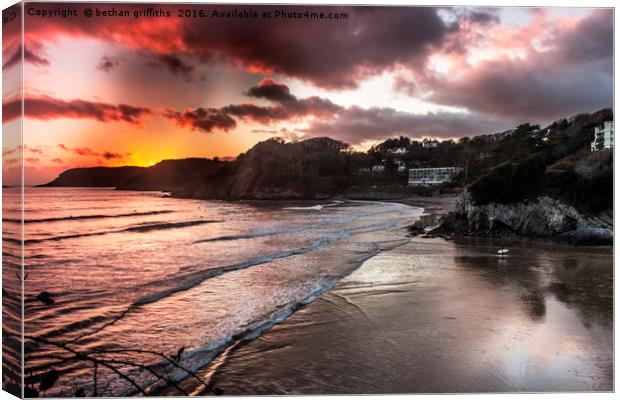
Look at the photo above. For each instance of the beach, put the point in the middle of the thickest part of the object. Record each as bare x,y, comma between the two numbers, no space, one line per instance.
333,297
441,316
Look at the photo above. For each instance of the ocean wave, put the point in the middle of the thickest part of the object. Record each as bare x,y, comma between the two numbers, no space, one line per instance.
273,232
297,229
139,228
195,359
196,278
192,279
81,217
317,207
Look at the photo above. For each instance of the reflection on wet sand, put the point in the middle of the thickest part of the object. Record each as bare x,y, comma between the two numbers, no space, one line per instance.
439,316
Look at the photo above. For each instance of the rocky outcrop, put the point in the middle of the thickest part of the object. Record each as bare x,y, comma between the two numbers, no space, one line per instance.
95,177
542,217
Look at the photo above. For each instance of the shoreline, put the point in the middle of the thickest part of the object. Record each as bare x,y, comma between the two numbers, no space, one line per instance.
233,356
393,326
258,329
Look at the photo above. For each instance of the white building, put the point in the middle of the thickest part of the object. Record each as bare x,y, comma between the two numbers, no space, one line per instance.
401,166
432,176
430,144
397,150
603,137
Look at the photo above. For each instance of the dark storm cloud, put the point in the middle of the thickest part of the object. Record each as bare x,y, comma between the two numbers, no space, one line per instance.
482,16
108,155
46,108
351,124
591,40
531,92
107,63
285,107
271,90
575,75
572,74
204,119
88,152
356,125
329,53
32,54
174,64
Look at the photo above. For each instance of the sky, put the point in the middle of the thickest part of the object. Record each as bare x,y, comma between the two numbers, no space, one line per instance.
111,91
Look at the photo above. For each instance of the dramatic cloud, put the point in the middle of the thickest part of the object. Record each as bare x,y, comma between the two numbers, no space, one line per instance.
174,64
46,108
591,39
32,149
287,107
351,124
107,63
271,90
356,125
290,110
545,77
329,53
109,155
493,67
88,152
85,151
32,54
335,53
204,119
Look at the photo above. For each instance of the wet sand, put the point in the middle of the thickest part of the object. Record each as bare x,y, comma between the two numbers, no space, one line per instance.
441,316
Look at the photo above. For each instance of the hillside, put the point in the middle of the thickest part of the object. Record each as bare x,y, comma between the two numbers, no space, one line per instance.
313,168
506,167
550,185
95,177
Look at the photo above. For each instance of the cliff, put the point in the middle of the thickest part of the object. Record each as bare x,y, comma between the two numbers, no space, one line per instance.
95,177
539,218
183,178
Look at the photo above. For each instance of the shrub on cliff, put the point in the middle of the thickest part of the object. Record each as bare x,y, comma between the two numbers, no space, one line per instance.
509,182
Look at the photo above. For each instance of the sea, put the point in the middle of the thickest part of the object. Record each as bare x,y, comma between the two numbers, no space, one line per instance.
128,292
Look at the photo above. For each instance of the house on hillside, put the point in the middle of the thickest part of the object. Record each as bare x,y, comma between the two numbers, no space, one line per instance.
430,143
603,137
432,176
397,150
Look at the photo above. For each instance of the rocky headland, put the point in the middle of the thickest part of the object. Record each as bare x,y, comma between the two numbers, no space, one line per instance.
539,218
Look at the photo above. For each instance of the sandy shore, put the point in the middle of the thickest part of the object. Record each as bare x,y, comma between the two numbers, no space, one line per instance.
441,316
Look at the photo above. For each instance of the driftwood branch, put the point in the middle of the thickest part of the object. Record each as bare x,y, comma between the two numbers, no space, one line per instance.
113,360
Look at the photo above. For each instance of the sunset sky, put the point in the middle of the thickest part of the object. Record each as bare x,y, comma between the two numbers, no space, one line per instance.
125,91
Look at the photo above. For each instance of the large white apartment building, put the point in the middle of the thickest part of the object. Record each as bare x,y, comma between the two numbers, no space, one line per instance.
603,137
432,176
